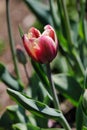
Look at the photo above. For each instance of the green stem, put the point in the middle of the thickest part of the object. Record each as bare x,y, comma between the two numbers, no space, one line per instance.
85,78
83,5
69,38
26,72
60,13
53,90
55,18
67,23
63,121
78,61
39,70
11,40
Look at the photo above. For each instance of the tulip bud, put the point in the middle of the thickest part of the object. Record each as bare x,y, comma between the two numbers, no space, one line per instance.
21,55
41,47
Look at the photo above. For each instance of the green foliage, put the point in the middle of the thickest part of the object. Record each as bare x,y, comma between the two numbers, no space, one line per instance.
41,11
20,126
36,89
70,25
30,127
84,128
8,79
40,71
38,108
67,85
13,114
81,117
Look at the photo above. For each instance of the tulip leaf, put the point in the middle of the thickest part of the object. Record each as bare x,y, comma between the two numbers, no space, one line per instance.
39,70
85,30
54,13
80,31
72,12
21,31
84,128
53,129
40,10
13,114
29,126
6,78
39,92
74,32
68,86
20,126
81,116
63,42
36,107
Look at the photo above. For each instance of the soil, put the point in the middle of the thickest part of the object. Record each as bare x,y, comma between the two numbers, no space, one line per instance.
20,14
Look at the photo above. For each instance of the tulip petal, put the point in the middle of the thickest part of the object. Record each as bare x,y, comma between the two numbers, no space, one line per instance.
33,33
30,45
49,31
47,50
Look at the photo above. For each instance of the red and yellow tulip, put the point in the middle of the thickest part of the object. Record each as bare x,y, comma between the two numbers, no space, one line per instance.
41,47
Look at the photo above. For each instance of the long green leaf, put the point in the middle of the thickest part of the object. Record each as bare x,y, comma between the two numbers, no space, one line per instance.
85,30
20,126
53,129
37,91
6,78
81,116
39,70
41,11
28,126
38,108
54,13
84,128
63,42
68,86
13,114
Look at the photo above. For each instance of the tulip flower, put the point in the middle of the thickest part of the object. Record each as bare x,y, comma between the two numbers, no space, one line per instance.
41,47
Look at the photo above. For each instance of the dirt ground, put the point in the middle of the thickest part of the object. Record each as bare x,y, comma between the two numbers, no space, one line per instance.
20,14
